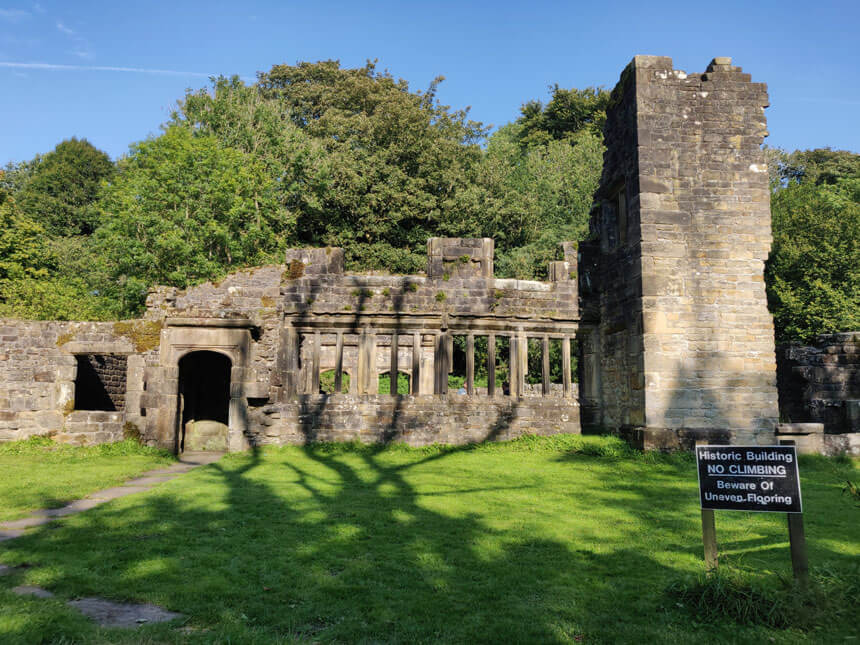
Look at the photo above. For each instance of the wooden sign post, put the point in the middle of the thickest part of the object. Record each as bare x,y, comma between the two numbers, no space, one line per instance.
762,479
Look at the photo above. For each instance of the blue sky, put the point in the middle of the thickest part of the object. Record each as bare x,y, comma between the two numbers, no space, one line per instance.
66,68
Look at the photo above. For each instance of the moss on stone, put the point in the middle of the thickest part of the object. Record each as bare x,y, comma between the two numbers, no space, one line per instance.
130,431
62,339
145,335
295,270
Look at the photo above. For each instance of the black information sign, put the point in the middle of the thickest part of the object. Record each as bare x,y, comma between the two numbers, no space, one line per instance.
749,478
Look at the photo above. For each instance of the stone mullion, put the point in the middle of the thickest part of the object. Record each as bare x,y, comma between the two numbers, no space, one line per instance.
392,371
315,364
416,363
491,365
565,365
546,387
470,364
523,356
513,365
338,363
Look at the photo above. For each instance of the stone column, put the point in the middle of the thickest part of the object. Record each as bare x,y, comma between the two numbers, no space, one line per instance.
546,387
470,364
338,363
291,362
392,370
513,365
565,365
523,356
415,382
491,365
441,363
315,364
366,361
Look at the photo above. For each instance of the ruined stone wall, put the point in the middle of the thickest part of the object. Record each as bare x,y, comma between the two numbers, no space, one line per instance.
414,420
38,368
685,346
306,316
254,294
821,383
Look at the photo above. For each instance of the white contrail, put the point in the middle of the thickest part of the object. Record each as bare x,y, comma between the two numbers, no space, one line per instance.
101,68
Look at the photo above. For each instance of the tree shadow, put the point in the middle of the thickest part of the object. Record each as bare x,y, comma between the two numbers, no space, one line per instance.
367,544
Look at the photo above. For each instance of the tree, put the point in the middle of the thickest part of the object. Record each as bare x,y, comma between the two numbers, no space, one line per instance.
22,245
363,162
184,209
820,166
62,185
540,174
813,273
566,113
543,194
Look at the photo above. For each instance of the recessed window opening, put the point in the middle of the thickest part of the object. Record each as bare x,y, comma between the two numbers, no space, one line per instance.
384,385
327,382
100,382
556,370
503,372
533,375
457,375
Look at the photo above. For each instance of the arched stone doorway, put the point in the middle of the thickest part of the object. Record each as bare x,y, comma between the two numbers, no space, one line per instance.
204,401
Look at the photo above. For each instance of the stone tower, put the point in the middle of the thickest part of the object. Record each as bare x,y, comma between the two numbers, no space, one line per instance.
672,277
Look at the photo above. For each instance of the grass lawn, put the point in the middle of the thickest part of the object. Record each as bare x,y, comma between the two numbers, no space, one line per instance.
39,473
558,540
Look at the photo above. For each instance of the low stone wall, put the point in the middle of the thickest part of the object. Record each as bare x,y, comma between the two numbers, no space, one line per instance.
821,383
88,427
38,366
414,420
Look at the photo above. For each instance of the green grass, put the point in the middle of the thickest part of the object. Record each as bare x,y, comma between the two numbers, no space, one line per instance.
556,540
38,473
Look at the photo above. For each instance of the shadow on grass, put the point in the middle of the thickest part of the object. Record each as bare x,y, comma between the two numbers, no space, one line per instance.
333,544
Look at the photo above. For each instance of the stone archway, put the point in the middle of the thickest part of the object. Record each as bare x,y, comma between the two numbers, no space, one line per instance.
204,401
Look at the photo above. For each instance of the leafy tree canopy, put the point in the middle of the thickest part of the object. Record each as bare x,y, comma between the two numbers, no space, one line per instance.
813,273
183,209
819,166
361,161
568,111
60,187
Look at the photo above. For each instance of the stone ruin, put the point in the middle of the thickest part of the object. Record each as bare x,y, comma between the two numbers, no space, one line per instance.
663,310
239,363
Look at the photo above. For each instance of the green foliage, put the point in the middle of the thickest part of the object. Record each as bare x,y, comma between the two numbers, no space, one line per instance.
362,162
327,382
538,196
22,245
821,166
567,112
730,593
182,210
384,384
813,273
62,185
55,298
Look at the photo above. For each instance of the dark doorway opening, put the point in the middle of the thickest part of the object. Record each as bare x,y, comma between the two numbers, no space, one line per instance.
204,401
